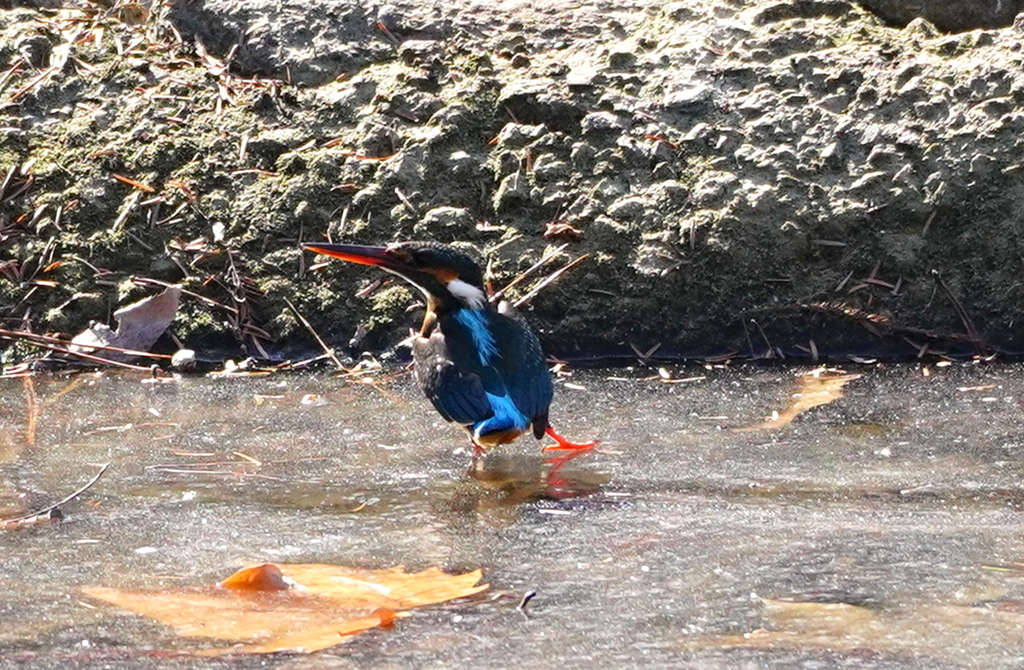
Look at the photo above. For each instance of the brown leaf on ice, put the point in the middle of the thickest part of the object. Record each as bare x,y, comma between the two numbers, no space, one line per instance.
266,577
139,326
958,634
298,608
817,387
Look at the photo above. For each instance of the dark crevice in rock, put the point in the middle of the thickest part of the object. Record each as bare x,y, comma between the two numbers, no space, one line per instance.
951,16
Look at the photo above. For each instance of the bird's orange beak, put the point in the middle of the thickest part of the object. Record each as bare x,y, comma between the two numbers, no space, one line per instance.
355,253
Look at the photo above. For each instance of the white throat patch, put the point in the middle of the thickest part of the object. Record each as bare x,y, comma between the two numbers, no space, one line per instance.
470,295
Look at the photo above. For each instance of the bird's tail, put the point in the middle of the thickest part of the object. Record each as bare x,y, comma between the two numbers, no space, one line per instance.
506,424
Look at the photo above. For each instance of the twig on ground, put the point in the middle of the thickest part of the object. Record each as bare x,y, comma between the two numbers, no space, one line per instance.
972,333
6,524
523,275
547,280
327,350
146,281
42,340
524,601
63,349
32,410
771,349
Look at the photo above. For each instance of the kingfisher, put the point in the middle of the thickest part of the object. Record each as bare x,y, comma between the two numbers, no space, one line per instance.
481,366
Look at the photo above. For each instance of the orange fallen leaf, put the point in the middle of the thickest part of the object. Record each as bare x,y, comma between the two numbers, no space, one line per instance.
266,577
298,608
387,617
931,634
817,387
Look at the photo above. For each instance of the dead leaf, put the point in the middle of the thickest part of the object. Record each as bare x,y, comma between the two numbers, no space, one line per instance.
133,13
266,577
298,608
958,634
139,326
562,231
818,387
387,617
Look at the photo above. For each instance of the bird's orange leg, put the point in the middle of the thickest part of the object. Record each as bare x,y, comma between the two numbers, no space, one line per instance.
479,451
564,444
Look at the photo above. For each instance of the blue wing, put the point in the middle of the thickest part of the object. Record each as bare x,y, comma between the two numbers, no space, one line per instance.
474,365
456,392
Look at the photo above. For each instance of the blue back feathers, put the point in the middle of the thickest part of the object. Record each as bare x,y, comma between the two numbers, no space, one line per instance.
507,416
475,320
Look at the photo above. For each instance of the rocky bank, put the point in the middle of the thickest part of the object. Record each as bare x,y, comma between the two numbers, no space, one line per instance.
759,179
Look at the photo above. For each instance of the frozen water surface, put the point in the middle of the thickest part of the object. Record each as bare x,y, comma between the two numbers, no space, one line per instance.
881,530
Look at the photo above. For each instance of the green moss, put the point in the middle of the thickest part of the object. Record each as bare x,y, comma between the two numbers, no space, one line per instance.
389,306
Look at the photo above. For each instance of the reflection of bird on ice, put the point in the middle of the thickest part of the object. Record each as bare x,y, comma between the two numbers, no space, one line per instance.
481,367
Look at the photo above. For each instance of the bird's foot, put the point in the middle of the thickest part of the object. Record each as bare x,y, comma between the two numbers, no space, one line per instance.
478,452
563,444
556,483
